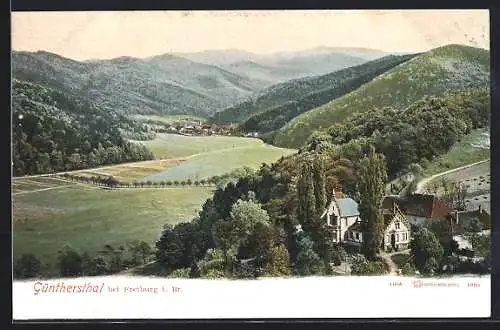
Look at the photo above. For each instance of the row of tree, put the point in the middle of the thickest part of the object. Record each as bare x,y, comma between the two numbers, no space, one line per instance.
112,182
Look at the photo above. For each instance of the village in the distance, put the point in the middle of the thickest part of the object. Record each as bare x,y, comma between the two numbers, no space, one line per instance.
231,164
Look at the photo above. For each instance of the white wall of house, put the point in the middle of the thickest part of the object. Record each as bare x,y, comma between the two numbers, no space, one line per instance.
401,233
355,236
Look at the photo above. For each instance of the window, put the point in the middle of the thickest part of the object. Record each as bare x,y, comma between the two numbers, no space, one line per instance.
351,234
397,225
397,237
357,236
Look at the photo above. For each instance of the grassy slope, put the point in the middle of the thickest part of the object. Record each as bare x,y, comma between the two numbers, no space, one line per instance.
469,150
175,146
89,219
432,73
218,162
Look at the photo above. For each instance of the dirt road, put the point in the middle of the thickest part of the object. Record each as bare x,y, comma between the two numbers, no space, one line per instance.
393,268
421,184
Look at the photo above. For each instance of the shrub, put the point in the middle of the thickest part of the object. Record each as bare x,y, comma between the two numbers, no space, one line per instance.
400,259
27,266
408,269
180,273
361,266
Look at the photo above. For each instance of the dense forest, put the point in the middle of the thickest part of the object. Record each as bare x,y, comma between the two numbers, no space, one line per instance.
415,134
53,132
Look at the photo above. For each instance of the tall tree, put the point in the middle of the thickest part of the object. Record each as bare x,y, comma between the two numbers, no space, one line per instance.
319,184
372,179
306,208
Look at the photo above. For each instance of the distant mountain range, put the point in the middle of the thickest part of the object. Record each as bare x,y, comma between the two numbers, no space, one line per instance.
288,95
282,66
196,84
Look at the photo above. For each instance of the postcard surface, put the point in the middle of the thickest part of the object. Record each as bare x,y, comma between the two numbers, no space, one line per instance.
251,164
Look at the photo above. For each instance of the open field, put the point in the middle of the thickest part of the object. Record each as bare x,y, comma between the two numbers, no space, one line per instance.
219,162
472,148
195,158
87,217
175,146
132,171
476,178
30,185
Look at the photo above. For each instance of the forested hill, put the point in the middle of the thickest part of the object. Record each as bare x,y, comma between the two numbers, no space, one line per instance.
55,132
322,90
447,68
286,100
163,84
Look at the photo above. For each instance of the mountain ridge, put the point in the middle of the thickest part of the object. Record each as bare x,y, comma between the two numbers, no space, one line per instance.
450,67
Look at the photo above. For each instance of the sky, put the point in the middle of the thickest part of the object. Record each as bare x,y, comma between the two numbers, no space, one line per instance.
104,35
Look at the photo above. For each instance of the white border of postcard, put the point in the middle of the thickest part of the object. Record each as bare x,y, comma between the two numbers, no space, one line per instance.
313,297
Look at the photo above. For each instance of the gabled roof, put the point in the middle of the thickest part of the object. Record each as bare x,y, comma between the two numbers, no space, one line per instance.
395,213
347,207
427,206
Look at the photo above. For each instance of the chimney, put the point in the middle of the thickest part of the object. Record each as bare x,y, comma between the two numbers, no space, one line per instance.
334,195
338,193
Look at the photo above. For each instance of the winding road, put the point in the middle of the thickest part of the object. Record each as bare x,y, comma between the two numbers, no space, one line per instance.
421,184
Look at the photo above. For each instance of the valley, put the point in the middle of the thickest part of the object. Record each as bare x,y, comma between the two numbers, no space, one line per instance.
170,151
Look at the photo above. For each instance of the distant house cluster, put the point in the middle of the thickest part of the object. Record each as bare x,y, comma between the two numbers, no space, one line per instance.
401,216
197,128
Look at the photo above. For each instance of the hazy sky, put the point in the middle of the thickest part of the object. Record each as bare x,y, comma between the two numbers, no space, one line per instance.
91,35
